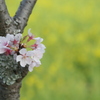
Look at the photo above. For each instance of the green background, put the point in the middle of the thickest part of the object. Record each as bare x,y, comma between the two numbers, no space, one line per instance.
70,67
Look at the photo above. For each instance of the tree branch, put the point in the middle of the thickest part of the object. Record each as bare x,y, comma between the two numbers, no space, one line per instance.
5,19
10,92
23,13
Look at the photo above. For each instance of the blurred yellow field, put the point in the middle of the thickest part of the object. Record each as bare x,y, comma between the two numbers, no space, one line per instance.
70,67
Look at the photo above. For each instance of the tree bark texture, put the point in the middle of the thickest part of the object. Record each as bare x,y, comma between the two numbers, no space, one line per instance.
10,92
11,73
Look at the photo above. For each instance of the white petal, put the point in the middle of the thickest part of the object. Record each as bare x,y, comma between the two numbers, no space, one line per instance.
38,39
37,54
29,53
1,38
31,66
2,50
4,41
22,63
41,46
10,37
18,36
28,60
37,60
23,51
18,58
38,64
29,33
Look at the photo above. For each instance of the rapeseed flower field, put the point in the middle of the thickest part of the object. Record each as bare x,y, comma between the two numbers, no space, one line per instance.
70,67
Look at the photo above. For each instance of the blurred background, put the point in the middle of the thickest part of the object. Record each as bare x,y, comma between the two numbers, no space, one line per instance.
70,67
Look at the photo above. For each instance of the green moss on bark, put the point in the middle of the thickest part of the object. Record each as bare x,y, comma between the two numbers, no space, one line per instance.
10,71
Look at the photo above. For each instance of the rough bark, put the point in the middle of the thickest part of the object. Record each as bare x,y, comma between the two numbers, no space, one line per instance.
11,73
5,20
24,12
10,92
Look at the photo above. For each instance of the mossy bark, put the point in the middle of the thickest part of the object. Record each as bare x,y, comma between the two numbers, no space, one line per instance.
11,75
10,92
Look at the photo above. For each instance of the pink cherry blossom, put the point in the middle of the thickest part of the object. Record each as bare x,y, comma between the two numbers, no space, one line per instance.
33,64
14,39
38,39
4,41
13,44
37,54
24,57
6,50
2,49
30,35
38,45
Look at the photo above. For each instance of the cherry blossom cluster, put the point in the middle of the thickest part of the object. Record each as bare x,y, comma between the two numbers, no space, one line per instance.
17,45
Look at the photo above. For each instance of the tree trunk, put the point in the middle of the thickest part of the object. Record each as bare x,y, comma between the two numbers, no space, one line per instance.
10,92
11,73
